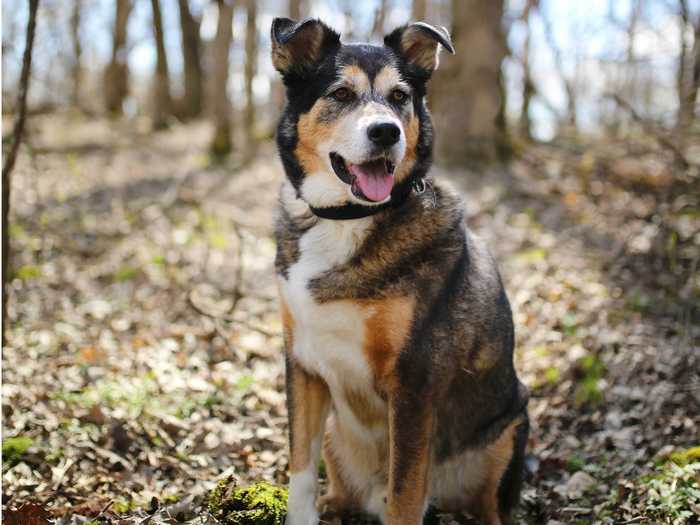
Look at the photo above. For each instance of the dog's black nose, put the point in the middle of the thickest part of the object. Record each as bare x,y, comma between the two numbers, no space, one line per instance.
385,134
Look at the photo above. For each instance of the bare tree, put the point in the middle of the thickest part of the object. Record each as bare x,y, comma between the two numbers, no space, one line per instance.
379,19
221,106
192,61
419,10
11,157
162,103
295,9
116,76
251,56
468,97
76,66
525,123
688,71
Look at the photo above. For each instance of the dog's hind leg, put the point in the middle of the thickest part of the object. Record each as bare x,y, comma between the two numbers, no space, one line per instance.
339,498
505,459
512,479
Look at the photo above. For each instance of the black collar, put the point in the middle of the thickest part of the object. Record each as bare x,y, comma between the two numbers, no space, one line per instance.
358,211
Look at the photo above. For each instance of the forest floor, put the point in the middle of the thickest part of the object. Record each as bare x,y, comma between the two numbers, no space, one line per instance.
144,358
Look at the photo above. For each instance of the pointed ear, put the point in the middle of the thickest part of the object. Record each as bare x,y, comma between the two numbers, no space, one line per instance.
299,46
418,44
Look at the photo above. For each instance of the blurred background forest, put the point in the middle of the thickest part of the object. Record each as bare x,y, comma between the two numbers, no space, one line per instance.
142,350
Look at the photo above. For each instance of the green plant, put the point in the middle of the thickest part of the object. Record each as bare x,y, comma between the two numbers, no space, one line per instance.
14,448
258,504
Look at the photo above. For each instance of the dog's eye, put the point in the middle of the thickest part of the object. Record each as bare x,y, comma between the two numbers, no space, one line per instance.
399,96
342,94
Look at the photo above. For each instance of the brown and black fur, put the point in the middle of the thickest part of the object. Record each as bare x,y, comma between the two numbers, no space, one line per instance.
441,344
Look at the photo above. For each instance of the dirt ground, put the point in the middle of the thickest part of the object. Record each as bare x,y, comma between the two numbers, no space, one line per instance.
144,357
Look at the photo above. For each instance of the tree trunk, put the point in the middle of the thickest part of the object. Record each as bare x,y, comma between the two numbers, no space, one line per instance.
688,74
192,62
116,77
295,9
379,20
419,10
251,55
77,67
466,95
162,103
525,124
12,155
221,106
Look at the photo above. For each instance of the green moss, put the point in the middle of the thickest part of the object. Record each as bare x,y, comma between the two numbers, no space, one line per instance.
14,448
683,457
258,504
123,506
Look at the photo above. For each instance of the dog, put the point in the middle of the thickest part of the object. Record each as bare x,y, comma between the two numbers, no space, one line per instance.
398,332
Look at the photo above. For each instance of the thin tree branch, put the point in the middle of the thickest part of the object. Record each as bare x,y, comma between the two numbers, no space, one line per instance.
12,154
649,128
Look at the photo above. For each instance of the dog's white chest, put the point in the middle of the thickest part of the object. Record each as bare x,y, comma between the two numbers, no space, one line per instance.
328,337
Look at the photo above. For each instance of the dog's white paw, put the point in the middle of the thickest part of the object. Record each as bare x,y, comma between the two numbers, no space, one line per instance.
301,503
307,516
376,503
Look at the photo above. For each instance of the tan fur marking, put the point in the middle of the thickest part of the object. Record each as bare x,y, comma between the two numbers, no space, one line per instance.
419,49
406,507
386,329
387,79
311,132
310,398
355,76
412,130
287,325
303,49
365,410
498,455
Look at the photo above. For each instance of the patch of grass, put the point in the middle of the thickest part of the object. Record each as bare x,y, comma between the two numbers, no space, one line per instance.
159,260
125,273
14,448
258,504
575,463
28,272
244,383
135,394
670,495
532,255
591,370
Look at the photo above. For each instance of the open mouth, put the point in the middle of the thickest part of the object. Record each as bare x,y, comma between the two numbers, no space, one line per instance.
371,181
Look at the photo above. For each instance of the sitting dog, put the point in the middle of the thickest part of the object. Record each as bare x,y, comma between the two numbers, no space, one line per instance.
398,332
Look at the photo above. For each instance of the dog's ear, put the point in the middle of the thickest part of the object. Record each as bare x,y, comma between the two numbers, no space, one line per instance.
299,46
419,45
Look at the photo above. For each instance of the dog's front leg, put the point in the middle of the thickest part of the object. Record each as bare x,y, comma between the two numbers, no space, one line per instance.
410,429
308,401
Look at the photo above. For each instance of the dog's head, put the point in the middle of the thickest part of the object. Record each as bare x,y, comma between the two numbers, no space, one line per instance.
356,126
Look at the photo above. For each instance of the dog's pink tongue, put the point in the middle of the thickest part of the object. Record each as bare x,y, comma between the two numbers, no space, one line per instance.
373,179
